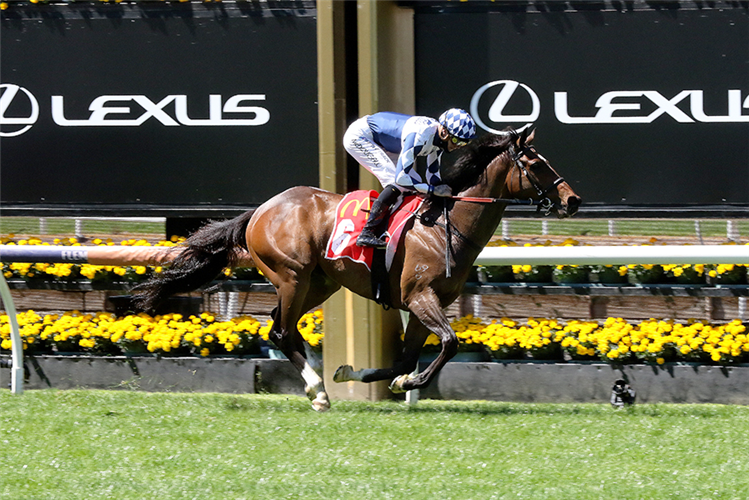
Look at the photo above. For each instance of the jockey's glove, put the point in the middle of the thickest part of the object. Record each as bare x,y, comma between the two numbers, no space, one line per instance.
443,190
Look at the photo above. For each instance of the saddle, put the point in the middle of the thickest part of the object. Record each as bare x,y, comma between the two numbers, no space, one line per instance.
351,215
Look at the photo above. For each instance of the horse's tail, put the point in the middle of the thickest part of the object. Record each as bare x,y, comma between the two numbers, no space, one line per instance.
206,253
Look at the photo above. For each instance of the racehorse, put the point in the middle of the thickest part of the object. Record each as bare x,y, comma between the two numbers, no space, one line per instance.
286,239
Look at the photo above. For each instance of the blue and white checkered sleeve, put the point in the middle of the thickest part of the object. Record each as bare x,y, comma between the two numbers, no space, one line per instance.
420,132
407,175
433,168
404,170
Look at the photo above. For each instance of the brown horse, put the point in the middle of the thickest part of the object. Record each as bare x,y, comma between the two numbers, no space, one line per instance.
286,239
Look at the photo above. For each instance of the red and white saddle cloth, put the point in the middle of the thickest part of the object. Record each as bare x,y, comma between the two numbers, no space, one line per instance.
351,215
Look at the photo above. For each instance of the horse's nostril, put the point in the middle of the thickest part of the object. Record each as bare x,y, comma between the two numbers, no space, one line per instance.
573,203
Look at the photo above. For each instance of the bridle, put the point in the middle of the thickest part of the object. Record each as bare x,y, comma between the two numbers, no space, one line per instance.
544,203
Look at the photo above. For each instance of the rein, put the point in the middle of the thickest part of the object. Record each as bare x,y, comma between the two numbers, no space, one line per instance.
509,201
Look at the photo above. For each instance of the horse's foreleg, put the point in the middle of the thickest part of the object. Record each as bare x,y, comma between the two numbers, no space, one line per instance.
426,308
413,341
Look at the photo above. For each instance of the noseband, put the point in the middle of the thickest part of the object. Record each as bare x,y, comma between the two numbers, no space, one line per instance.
545,202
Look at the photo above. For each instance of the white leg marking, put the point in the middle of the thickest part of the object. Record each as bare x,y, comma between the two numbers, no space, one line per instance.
315,388
311,379
313,359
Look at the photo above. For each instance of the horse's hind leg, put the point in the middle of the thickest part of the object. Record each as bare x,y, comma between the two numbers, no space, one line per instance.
294,299
426,316
413,341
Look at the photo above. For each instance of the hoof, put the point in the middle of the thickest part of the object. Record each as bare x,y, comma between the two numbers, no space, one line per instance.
396,386
321,403
343,373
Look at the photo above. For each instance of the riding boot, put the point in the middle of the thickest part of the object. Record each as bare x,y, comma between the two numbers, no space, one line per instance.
378,216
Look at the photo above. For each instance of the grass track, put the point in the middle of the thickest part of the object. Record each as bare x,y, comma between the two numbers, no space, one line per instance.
66,226
624,227
134,445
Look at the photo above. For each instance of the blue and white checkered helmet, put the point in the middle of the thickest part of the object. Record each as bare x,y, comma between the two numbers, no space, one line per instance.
458,123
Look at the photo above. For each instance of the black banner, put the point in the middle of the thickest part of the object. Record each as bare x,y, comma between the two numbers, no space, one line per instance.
636,107
155,106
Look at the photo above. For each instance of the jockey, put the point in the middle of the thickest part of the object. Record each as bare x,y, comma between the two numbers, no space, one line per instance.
387,145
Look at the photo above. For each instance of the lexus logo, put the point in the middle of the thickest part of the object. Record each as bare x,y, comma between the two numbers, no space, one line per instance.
615,106
19,110
13,104
497,108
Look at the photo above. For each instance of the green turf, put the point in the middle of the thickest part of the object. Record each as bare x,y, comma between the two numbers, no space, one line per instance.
624,227
66,227
134,445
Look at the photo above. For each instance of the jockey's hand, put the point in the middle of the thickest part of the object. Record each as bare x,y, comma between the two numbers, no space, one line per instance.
443,190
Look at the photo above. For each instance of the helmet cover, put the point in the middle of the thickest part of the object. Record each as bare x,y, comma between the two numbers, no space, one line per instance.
458,123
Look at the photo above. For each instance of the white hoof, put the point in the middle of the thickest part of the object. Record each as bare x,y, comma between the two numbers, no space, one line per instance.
321,403
343,373
396,386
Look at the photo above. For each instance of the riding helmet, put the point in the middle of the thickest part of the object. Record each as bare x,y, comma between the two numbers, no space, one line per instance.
458,123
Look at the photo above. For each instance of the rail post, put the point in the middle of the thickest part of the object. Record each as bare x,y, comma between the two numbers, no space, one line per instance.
16,369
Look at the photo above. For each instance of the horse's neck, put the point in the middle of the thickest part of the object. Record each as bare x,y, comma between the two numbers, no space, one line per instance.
479,221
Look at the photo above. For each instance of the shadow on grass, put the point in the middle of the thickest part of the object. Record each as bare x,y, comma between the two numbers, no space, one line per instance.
484,408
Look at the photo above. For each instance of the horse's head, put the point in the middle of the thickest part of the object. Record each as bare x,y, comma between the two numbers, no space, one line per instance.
531,176
507,166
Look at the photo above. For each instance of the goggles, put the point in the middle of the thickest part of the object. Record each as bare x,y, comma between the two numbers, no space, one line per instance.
458,141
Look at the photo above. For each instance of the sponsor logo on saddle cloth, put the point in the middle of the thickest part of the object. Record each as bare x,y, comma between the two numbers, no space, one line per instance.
351,215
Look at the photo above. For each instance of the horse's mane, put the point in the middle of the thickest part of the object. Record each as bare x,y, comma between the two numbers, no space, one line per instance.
470,166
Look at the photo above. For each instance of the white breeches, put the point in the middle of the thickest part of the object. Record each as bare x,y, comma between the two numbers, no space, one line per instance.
359,142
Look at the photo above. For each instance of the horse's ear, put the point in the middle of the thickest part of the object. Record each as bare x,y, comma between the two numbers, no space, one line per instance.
527,133
531,134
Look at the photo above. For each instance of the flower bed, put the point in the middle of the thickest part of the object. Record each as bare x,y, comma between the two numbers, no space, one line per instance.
170,335
613,341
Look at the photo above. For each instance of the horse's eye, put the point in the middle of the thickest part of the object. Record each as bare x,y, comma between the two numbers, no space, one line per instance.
536,165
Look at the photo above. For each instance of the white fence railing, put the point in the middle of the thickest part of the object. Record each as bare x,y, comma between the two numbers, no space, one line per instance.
615,254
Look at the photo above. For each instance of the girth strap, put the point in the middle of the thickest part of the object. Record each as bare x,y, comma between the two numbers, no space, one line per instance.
380,279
